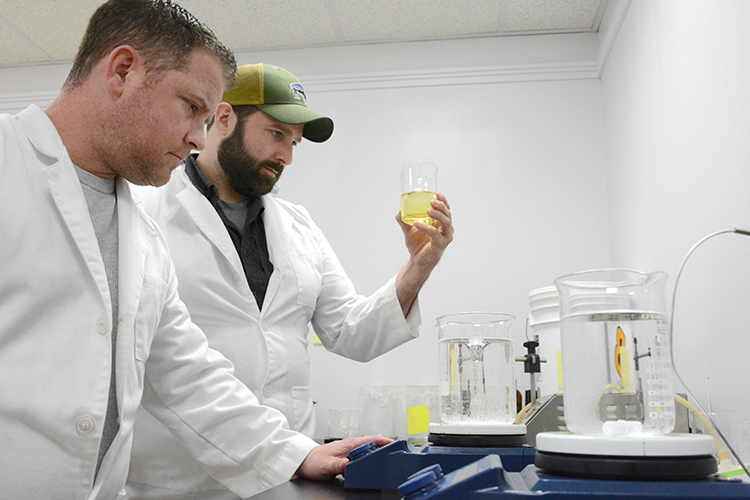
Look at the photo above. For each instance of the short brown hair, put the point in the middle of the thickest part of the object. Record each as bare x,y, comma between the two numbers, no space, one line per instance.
163,31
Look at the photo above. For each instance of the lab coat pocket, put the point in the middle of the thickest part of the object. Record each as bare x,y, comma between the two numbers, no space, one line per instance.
303,410
307,270
148,315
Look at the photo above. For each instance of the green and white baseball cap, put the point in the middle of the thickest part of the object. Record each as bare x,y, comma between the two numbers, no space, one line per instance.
279,94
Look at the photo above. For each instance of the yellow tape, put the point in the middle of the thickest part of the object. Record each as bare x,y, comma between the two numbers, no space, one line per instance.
627,374
418,419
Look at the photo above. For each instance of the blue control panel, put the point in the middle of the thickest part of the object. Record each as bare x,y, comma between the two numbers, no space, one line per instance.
486,479
386,468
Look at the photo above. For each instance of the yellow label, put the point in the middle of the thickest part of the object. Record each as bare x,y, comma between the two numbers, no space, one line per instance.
618,350
626,374
418,419
559,370
316,339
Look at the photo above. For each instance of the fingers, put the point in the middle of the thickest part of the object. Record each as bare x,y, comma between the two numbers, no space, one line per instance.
441,205
339,467
442,231
349,444
324,462
404,226
441,197
440,211
379,440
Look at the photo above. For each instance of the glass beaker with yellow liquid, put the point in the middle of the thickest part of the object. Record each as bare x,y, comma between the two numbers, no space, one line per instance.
418,188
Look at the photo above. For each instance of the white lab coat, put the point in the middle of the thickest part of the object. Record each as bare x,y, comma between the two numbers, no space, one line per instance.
269,349
55,323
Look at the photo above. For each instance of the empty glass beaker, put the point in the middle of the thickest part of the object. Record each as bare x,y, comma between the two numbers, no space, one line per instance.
476,359
616,362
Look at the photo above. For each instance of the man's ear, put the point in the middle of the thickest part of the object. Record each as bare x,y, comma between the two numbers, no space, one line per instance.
124,67
225,119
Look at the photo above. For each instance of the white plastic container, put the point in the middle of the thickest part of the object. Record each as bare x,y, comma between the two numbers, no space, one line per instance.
544,324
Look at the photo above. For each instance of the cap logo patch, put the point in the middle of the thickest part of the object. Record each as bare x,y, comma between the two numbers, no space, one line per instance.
298,92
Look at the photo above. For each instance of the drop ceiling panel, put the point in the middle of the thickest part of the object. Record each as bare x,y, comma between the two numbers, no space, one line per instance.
55,27
258,24
552,15
15,48
383,20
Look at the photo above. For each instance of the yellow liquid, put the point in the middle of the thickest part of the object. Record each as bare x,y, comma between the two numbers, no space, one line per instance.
414,207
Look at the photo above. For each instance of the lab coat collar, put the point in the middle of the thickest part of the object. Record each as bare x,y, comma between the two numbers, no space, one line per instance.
209,222
41,132
66,192
278,225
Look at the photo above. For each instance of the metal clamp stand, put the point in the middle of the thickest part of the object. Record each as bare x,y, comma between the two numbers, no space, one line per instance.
532,364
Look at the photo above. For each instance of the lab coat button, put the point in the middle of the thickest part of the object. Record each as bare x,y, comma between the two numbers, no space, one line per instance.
84,425
267,392
101,325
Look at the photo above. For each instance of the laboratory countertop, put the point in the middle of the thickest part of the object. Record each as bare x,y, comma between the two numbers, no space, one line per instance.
323,490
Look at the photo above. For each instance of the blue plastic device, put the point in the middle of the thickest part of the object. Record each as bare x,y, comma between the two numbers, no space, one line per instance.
386,468
486,479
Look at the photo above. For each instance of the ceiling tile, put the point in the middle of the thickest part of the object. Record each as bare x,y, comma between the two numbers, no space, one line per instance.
375,20
55,27
15,50
551,15
246,25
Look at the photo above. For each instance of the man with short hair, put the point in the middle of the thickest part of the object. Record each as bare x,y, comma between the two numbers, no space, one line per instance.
255,270
90,319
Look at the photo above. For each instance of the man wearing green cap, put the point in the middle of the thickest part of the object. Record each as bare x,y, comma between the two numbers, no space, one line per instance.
255,270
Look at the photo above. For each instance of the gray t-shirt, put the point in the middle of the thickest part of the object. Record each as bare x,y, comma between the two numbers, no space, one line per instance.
101,199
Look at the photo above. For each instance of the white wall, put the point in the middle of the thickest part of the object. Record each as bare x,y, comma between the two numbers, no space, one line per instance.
677,108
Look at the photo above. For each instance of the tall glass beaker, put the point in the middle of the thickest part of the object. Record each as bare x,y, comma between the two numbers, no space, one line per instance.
476,359
616,362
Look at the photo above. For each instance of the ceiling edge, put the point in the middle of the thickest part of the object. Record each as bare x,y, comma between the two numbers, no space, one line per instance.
613,23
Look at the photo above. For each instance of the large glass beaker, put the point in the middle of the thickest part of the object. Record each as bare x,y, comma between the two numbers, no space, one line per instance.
476,359
616,362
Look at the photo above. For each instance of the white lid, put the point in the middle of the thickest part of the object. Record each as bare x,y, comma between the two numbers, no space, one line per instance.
639,445
478,428
554,308
554,322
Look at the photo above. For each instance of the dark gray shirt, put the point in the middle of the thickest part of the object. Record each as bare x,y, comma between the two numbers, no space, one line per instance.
246,230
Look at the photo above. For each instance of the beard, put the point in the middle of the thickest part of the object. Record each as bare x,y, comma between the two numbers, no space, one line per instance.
244,171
